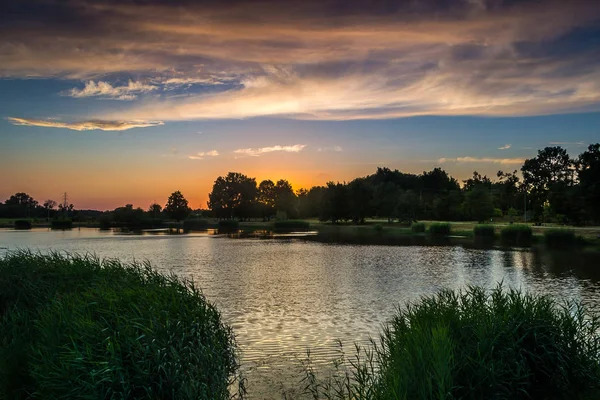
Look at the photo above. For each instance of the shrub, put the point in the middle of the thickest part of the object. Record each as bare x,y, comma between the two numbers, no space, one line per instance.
62,224
559,237
195,224
418,227
484,231
476,345
439,229
22,224
291,224
75,326
502,344
105,223
229,224
517,235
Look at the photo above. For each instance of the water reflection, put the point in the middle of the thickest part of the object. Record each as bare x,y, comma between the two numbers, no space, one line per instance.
284,296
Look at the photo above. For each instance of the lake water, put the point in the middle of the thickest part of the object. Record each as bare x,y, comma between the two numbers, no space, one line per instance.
284,296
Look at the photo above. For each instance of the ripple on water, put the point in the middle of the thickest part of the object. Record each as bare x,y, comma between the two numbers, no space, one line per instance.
282,298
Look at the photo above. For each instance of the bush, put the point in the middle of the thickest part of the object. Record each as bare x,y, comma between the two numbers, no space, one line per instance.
484,231
439,229
502,344
559,237
291,224
517,235
477,345
231,224
418,227
22,224
62,224
195,224
74,326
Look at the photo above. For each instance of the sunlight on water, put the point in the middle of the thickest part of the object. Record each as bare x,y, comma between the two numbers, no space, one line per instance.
287,295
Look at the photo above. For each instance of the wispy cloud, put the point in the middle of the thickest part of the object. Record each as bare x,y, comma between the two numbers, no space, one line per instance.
505,147
579,144
508,59
85,125
202,154
482,160
105,90
336,149
263,150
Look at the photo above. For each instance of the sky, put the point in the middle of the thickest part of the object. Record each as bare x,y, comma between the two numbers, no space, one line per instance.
119,102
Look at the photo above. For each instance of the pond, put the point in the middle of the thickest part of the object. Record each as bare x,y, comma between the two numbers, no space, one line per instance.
284,296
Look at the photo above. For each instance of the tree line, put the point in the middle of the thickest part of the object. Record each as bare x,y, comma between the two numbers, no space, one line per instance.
552,187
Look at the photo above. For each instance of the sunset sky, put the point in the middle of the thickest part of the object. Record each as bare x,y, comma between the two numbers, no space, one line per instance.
122,102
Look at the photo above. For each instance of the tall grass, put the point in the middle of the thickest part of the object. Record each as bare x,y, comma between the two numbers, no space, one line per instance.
62,224
517,235
76,327
484,231
475,345
559,238
418,227
440,229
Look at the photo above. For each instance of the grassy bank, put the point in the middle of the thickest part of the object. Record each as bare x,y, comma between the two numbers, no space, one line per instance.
477,345
78,327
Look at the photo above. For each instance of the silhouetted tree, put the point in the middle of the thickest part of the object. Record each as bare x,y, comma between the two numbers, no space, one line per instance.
285,198
49,205
177,206
478,203
551,170
233,196
154,210
588,174
334,205
360,200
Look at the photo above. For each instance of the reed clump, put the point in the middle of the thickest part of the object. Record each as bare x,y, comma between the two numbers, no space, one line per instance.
478,345
418,227
439,229
517,235
77,327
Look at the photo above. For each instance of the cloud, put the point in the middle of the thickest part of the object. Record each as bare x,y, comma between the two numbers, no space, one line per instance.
257,152
106,91
202,154
482,160
336,149
505,147
85,125
579,144
309,60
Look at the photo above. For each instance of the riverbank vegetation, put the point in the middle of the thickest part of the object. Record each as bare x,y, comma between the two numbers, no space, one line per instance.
474,344
551,188
74,326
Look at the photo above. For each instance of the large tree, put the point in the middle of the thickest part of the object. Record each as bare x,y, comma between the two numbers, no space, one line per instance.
360,200
21,204
588,174
478,203
233,196
49,205
551,170
285,198
177,206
